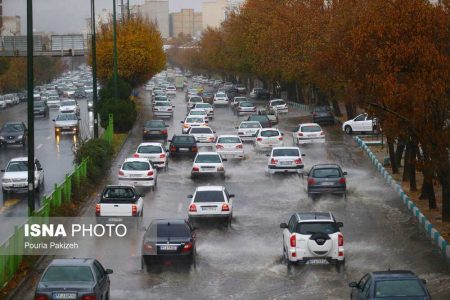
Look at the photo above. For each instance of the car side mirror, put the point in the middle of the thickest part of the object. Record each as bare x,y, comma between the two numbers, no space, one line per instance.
231,195
345,173
167,125
173,105
283,225
141,195
39,169
169,141
424,281
79,119
3,171
282,134
54,120
340,224
109,271
353,285
181,122
224,159
268,155
190,196
194,228
303,154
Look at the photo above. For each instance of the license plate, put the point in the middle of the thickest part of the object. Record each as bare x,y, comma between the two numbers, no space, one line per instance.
317,261
184,149
64,296
154,131
66,127
285,163
115,219
208,208
327,183
10,142
168,248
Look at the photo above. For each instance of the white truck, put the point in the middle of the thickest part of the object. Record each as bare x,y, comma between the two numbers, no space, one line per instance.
180,82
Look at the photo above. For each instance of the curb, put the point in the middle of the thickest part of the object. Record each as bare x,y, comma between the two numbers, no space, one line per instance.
436,237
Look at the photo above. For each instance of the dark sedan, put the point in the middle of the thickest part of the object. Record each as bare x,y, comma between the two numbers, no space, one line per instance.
326,179
183,145
155,129
390,285
322,114
208,97
168,239
77,278
40,108
13,133
263,94
262,119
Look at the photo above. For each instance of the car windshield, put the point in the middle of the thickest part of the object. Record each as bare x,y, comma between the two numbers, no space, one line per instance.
136,166
209,196
278,102
13,127
246,104
201,130
66,117
326,173
269,133
317,227
155,124
240,99
68,273
160,98
206,105
198,112
184,139
250,125
220,94
171,230
149,149
229,139
165,103
195,120
39,104
118,192
311,128
17,166
398,288
321,109
285,152
208,159
68,103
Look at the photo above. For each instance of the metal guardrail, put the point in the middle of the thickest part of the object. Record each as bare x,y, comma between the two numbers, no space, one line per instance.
23,53
299,106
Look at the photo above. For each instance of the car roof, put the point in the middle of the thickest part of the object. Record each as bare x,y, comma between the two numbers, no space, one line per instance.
314,216
228,135
167,221
308,124
276,100
208,153
119,186
71,262
325,166
198,109
393,274
136,159
200,127
285,148
21,158
209,188
150,144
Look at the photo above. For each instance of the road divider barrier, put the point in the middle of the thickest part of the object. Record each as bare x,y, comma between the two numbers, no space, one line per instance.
299,106
434,235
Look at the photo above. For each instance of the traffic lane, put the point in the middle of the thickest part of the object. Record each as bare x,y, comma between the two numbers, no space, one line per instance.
245,260
56,154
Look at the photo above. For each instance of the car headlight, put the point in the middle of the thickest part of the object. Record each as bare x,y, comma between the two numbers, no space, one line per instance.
2,138
6,180
19,137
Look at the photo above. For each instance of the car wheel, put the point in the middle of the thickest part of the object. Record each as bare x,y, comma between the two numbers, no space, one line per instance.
344,196
144,266
348,129
107,295
340,266
286,260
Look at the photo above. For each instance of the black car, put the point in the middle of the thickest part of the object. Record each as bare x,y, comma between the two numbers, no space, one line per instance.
155,129
182,145
40,108
22,96
13,133
168,239
326,179
208,97
241,88
262,119
232,92
390,285
75,278
263,94
322,114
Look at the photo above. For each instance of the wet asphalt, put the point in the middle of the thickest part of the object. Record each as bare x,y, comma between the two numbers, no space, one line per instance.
244,261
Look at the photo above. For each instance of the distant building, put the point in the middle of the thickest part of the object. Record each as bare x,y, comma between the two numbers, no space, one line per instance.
186,22
215,12
10,25
156,11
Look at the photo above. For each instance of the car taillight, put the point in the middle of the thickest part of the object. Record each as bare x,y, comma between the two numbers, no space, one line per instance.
187,247
342,180
259,139
162,155
173,148
322,133
164,131
340,240
314,114
186,126
194,149
211,139
225,207
195,169
193,207
311,181
273,161
150,173
169,109
240,146
148,246
300,134
280,138
298,161
89,297
136,155
221,169
97,209
293,240
40,297
240,133
218,146
134,210
121,173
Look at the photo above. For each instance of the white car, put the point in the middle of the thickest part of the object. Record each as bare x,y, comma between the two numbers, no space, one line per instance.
361,123
206,106
208,163
118,201
230,146
171,91
154,152
163,109
220,98
308,133
279,105
15,178
67,122
267,138
192,101
160,98
236,100
211,202
248,130
69,106
192,122
285,160
2,103
198,113
313,238
245,108
202,134
138,172
53,101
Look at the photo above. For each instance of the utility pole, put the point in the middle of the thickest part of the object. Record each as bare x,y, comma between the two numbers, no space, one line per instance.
30,108
128,9
122,11
115,75
94,68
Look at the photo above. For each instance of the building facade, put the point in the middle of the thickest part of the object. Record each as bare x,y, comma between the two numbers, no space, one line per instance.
10,25
215,12
157,11
187,22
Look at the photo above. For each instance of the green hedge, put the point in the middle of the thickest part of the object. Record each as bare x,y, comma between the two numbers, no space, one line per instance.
100,154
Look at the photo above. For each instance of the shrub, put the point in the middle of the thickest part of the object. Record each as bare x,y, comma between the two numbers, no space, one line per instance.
124,112
100,154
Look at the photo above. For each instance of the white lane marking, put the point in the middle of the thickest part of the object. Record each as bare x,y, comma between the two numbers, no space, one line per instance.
39,146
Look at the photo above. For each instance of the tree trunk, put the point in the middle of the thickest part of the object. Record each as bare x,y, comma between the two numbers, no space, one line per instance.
412,169
349,110
399,153
335,103
406,163
443,174
394,167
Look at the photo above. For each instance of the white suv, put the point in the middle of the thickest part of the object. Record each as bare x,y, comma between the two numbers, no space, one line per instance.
313,238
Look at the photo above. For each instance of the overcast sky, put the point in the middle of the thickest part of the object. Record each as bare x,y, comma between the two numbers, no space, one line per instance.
68,16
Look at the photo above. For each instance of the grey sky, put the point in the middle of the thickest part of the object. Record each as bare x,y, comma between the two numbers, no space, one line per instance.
66,16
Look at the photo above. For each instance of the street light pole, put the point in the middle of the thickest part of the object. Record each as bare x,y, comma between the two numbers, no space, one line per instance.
30,108
128,9
94,68
122,11
115,75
